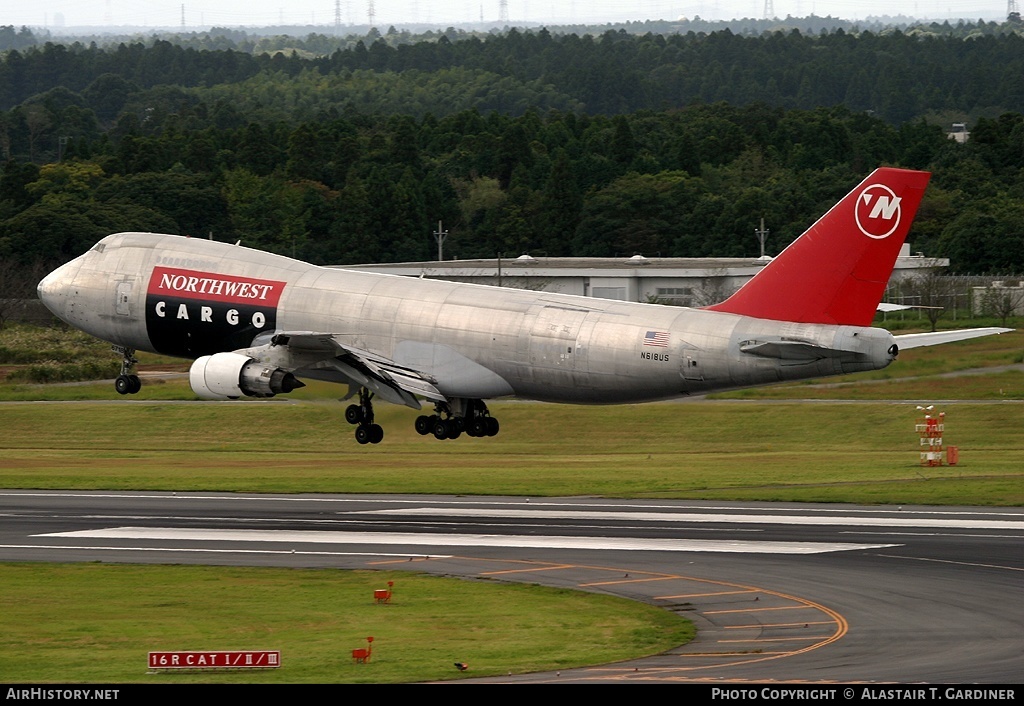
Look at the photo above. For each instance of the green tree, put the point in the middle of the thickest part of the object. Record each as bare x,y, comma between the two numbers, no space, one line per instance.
560,207
636,214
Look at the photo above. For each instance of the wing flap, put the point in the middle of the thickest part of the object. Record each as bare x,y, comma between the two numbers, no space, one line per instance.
384,377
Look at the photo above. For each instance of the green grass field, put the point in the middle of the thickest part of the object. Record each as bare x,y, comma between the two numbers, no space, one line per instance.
843,452
83,623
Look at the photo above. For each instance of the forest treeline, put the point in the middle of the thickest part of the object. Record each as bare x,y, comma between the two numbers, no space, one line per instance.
671,145
895,75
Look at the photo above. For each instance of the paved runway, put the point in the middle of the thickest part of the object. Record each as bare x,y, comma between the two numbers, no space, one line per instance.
779,592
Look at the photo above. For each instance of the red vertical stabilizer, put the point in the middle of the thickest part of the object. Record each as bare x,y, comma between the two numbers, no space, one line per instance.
836,272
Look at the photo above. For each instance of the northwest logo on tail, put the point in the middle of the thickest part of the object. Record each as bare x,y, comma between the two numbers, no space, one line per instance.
878,211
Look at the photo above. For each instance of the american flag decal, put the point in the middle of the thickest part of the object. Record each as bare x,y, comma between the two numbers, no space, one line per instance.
656,338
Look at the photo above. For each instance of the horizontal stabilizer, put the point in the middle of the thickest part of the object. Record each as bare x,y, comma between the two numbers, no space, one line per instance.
918,340
886,307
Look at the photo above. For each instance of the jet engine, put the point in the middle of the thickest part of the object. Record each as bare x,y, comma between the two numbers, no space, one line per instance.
228,376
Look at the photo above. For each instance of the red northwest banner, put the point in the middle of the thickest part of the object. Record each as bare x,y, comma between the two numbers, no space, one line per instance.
214,287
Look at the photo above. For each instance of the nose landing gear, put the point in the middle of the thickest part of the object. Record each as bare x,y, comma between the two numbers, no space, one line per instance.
127,383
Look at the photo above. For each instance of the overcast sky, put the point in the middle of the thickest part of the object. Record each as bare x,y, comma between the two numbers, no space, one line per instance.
204,13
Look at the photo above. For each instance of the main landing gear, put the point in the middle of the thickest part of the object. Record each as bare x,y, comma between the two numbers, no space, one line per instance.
450,420
127,383
362,415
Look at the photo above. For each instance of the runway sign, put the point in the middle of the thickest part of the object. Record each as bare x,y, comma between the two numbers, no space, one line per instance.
244,659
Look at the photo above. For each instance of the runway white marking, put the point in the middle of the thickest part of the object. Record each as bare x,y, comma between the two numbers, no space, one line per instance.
463,540
724,518
956,563
521,502
196,550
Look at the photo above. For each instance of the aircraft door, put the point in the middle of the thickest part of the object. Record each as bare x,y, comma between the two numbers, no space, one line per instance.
122,302
553,339
691,369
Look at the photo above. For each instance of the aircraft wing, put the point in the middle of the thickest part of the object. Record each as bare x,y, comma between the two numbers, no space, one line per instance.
917,340
323,356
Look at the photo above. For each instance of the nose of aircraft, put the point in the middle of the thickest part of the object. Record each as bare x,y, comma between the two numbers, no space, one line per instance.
53,288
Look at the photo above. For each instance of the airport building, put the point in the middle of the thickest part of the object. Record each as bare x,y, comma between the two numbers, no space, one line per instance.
1000,298
681,281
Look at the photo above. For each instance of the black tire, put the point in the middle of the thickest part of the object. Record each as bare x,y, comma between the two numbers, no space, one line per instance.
492,426
440,429
376,432
478,427
424,424
123,385
353,414
363,434
136,384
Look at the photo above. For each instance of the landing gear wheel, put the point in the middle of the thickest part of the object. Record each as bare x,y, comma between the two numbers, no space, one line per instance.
440,429
425,424
362,415
492,426
127,383
369,433
122,384
353,414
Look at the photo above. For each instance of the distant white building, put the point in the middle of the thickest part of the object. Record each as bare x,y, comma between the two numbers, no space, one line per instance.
959,133
998,299
672,280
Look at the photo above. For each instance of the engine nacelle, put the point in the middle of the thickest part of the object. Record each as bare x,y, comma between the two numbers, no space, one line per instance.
228,376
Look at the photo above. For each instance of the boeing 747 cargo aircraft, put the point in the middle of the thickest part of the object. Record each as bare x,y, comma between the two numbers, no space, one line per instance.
258,323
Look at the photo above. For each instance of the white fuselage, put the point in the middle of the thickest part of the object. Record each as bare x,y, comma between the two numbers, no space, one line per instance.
162,293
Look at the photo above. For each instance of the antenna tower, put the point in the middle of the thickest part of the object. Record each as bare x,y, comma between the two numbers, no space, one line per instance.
503,11
337,15
182,17
439,235
371,13
762,235
1012,11
769,10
